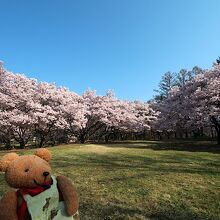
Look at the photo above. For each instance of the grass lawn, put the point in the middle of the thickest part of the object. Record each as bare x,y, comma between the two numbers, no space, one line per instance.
141,180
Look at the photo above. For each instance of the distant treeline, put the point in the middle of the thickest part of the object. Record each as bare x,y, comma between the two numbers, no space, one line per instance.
35,113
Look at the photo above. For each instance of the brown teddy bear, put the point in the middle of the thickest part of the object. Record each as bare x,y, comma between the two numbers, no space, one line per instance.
39,195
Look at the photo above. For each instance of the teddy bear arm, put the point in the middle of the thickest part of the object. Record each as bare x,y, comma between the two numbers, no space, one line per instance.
69,194
8,206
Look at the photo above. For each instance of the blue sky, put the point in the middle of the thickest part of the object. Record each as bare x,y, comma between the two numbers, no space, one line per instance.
124,45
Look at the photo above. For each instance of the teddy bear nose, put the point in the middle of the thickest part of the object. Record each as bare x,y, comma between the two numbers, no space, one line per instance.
46,173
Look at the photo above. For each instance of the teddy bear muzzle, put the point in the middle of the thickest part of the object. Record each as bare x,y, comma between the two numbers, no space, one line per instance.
46,174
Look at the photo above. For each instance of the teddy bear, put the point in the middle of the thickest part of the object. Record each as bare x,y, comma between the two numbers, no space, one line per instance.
37,194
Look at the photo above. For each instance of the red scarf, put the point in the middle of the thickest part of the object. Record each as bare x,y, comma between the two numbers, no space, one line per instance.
32,192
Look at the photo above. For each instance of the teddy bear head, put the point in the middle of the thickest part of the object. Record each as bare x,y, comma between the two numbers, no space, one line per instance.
28,170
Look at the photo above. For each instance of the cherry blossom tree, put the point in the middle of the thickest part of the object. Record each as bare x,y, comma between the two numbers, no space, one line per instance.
98,113
207,98
193,105
46,111
72,110
16,93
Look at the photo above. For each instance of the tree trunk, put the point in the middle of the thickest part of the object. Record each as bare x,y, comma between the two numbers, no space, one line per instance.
212,134
217,127
175,134
22,144
42,139
107,138
82,138
218,137
159,136
202,131
195,134
8,145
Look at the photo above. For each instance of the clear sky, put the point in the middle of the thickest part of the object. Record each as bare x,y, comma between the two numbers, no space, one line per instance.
124,45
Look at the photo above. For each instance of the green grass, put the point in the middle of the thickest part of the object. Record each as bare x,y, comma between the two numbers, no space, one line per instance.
141,180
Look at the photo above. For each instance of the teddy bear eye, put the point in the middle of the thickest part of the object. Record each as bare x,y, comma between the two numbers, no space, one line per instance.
26,170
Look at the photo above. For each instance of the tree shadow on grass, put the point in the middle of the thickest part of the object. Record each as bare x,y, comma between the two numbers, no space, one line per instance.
191,146
163,164
112,168
95,210
90,210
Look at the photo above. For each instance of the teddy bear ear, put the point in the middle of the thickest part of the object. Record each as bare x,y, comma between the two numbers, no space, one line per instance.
44,154
6,160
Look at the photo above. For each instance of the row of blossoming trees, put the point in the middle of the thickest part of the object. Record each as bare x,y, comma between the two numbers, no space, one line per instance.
189,103
40,113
